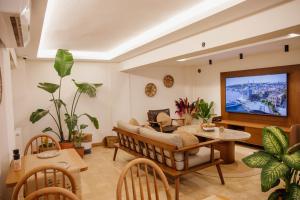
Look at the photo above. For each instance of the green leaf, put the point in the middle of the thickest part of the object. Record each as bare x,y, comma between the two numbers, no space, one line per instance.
59,102
94,120
280,135
294,192
87,88
257,159
271,143
276,194
71,122
47,129
83,126
292,160
271,173
49,87
63,62
37,115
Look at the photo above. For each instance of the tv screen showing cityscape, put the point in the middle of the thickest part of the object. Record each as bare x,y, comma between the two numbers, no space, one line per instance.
263,94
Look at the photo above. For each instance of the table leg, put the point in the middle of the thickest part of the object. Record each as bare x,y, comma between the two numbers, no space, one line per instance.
227,151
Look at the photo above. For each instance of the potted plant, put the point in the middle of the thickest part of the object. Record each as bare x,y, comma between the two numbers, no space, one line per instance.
185,109
279,163
204,112
63,66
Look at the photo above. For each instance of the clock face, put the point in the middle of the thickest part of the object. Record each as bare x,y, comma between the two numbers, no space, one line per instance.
168,81
150,90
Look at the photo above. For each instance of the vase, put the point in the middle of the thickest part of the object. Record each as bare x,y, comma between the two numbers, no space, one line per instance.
188,119
66,145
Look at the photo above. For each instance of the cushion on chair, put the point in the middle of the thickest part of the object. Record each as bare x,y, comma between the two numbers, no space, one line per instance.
164,118
134,122
188,140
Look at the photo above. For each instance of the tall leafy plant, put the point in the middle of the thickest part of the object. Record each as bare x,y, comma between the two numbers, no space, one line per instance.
278,163
204,110
63,65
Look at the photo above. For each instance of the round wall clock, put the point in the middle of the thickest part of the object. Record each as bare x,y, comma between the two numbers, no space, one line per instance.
150,90
168,81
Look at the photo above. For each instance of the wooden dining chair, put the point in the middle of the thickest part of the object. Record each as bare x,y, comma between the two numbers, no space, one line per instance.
54,193
40,143
138,177
42,177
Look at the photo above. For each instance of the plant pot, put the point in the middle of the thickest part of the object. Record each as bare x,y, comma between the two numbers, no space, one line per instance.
80,151
188,119
66,145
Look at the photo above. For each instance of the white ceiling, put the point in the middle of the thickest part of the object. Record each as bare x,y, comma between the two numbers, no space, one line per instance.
115,30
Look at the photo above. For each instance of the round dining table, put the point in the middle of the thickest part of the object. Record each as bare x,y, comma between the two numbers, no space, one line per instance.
228,138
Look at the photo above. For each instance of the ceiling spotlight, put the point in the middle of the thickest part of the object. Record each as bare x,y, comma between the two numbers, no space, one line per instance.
210,62
286,48
292,35
241,56
182,60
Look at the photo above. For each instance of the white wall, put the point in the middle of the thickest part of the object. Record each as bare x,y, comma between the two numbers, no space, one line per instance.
27,97
206,85
7,136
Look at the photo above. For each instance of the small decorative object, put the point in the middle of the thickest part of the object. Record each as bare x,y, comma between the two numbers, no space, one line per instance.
150,90
168,81
279,163
204,110
221,129
17,165
209,127
185,109
48,154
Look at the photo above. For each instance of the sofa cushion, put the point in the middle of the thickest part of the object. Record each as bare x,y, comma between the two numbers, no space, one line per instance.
128,127
188,140
134,122
172,139
164,119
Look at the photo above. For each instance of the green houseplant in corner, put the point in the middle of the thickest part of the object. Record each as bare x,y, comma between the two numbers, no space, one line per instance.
63,66
278,163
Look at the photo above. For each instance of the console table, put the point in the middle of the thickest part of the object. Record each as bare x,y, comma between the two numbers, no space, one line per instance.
228,137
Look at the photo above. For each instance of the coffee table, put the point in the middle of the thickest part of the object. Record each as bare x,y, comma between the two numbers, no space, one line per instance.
228,137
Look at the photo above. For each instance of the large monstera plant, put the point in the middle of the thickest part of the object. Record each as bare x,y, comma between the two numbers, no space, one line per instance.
279,163
63,66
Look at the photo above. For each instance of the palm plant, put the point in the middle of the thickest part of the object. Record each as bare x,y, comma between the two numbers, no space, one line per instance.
278,163
63,65
204,110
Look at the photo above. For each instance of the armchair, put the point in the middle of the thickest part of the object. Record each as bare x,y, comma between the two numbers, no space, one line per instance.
158,126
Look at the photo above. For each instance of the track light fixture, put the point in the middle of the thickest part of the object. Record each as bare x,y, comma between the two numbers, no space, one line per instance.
286,48
210,61
241,56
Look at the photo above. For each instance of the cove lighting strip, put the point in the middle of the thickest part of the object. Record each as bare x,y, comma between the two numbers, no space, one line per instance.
198,12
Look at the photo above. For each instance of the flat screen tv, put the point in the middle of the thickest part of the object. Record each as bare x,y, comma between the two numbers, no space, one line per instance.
262,94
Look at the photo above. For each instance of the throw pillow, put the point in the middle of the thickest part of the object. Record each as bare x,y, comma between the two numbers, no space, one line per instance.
188,140
164,119
134,122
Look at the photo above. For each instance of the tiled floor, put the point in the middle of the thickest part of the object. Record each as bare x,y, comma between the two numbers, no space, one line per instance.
100,181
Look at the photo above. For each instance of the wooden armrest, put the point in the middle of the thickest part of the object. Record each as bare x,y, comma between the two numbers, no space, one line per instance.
152,122
201,144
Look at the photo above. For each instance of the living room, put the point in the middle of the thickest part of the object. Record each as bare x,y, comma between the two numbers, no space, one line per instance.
194,58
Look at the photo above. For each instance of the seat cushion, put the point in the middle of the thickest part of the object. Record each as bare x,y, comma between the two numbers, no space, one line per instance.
164,118
188,140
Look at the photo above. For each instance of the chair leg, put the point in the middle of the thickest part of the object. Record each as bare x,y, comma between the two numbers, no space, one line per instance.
177,183
115,153
220,174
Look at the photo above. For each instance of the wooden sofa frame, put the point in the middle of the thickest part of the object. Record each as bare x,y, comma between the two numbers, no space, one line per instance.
126,138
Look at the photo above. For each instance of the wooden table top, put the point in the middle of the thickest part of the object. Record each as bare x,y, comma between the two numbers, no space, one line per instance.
227,135
31,161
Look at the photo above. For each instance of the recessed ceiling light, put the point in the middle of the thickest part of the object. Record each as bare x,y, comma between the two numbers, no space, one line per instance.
292,35
181,60
203,9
